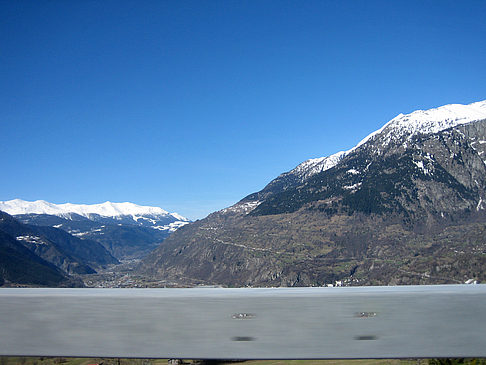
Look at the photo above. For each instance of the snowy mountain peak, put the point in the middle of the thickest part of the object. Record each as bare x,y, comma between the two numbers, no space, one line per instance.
106,209
420,121
430,121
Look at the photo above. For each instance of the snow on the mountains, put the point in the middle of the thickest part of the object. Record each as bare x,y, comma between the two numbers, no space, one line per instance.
171,227
314,166
421,166
245,207
480,204
352,187
419,121
31,239
403,125
179,217
107,209
430,121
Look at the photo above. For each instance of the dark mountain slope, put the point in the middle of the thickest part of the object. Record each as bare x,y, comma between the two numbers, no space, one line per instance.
434,175
18,265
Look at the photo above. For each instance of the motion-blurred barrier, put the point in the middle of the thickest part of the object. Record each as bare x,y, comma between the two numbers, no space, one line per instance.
215,323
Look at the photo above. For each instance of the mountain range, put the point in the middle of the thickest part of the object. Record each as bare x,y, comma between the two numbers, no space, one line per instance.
51,245
126,230
406,205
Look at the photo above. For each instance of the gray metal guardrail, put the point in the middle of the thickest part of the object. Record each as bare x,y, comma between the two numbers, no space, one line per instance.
216,323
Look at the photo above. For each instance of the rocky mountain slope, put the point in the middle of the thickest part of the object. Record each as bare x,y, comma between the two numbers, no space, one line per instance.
126,230
20,266
406,205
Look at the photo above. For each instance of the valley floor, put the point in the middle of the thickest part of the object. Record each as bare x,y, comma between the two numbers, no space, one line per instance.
124,276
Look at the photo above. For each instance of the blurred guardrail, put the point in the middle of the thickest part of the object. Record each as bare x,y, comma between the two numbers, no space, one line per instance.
274,323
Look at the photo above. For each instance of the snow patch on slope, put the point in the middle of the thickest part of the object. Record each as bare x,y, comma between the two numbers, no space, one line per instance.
314,166
171,227
245,207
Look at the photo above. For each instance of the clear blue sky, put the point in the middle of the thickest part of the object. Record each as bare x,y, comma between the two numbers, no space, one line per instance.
192,105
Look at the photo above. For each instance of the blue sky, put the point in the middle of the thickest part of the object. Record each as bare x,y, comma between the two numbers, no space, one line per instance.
192,105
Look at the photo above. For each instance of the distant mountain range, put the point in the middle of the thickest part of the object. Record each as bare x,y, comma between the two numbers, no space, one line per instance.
406,205
108,212
45,244
126,230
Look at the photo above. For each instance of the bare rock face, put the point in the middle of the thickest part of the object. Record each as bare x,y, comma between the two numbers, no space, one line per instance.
406,206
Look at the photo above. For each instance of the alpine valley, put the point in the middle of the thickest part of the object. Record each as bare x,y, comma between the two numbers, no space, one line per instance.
405,206
49,244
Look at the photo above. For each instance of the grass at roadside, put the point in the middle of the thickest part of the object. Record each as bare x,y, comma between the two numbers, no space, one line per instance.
337,362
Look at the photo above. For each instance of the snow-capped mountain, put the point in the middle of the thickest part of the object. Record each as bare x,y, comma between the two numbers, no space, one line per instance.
129,213
126,230
403,125
106,209
401,128
406,205
428,121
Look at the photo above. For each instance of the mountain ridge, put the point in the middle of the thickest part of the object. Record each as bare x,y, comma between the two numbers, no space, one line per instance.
403,125
106,209
126,230
419,176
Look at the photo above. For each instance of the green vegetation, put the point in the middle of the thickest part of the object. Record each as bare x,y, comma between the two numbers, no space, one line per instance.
457,361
